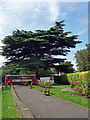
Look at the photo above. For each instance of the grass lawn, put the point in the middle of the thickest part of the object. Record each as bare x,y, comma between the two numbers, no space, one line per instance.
8,106
0,104
66,95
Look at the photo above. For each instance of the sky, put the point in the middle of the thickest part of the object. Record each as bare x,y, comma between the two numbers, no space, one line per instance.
32,15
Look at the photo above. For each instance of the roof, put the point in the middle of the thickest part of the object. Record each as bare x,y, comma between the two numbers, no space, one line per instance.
20,75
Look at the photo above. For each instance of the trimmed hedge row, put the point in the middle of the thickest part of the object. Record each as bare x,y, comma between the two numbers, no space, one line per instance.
70,78
61,80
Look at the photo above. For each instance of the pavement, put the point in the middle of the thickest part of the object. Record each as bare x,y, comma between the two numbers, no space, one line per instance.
22,109
42,106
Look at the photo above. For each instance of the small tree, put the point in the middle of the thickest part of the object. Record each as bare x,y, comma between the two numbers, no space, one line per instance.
83,59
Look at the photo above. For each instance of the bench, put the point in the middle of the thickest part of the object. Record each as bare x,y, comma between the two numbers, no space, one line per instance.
47,90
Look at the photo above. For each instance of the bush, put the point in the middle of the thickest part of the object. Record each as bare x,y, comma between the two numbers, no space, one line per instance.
81,87
48,84
73,77
44,73
61,80
35,83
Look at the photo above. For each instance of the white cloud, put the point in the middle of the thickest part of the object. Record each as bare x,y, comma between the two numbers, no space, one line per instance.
3,22
11,15
54,11
2,60
37,10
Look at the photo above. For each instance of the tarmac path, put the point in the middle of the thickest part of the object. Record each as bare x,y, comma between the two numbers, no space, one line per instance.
42,106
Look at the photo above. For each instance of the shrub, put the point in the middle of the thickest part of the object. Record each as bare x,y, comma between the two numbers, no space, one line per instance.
35,83
44,73
48,84
81,87
61,80
44,83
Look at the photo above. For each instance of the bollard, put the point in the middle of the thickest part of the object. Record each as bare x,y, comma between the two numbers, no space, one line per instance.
31,85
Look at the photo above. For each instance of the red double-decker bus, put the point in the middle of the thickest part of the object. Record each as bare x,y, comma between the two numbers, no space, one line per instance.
20,79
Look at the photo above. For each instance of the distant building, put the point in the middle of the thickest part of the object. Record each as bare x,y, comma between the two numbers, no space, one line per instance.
61,73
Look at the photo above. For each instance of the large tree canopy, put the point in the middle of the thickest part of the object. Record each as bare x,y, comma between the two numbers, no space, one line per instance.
39,48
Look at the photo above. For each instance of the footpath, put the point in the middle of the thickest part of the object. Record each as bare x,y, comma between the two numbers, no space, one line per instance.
22,109
34,104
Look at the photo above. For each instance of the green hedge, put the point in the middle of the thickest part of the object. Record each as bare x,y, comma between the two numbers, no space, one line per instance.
73,77
61,80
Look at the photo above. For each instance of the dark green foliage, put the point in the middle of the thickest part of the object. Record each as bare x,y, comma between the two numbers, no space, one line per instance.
62,80
47,72
36,49
65,67
44,73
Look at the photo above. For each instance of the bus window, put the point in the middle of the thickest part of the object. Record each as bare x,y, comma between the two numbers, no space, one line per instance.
24,77
15,77
20,77
11,77
32,77
28,77
8,77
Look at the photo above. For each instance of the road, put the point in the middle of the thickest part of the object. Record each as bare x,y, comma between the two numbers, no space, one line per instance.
42,106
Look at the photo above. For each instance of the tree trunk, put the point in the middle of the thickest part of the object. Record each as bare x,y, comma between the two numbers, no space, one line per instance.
37,73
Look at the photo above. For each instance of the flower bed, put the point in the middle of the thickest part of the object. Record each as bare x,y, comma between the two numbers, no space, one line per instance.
81,87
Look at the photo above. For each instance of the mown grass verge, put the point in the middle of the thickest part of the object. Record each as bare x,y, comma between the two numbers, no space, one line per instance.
0,104
66,95
8,106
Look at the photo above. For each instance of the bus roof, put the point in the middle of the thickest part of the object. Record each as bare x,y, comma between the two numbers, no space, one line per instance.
20,75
